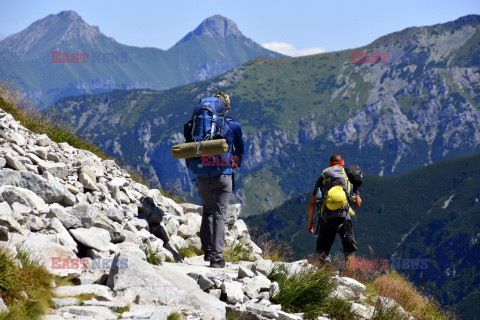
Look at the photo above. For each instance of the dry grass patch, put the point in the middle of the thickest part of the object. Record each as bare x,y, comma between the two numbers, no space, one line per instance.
273,248
395,286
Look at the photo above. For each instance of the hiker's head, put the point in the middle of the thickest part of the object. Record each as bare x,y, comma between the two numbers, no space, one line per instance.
337,160
225,98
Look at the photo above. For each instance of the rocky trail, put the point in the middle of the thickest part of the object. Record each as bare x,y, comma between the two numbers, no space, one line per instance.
85,218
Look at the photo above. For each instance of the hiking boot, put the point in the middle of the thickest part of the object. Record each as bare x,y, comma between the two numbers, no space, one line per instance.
207,257
220,263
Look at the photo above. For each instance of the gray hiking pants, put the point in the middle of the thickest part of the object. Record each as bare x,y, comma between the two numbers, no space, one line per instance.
215,193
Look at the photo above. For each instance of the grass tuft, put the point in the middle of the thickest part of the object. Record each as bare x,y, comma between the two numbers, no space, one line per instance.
388,314
238,253
306,291
340,309
175,316
25,289
152,255
189,251
122,309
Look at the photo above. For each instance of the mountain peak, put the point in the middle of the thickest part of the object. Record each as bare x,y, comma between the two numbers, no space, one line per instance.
68,14
214,26
57,28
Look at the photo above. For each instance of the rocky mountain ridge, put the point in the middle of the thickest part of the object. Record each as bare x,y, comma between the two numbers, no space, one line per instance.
85,218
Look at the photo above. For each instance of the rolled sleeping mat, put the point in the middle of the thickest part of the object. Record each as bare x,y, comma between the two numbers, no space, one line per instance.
197,149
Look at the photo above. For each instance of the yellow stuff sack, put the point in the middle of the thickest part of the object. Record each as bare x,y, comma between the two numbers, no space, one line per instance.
336,198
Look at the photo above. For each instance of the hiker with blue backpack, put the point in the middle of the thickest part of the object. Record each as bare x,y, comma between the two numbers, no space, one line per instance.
211,128
335,195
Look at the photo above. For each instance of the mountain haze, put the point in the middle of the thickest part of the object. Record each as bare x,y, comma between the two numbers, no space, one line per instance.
420,106
216,46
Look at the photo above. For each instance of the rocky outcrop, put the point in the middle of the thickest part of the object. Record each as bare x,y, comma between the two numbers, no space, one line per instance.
87,218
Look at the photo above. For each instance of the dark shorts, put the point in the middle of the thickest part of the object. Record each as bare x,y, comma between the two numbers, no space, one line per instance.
329,229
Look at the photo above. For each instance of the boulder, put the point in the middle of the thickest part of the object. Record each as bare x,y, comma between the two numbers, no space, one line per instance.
86,312
190,207
253,286
50,253
13,194
7,221
63,236
243,272
15,163
233,212
85,213
233,291
101,292
49,191
353,284
143,283
43,140
59,212
87,182
93,237
59,170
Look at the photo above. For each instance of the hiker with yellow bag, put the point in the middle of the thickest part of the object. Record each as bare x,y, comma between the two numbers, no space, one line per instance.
334,196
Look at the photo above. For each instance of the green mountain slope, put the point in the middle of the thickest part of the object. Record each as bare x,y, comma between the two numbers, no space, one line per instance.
430,213
419,107
214,47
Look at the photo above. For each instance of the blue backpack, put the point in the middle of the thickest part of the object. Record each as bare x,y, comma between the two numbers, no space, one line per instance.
209,122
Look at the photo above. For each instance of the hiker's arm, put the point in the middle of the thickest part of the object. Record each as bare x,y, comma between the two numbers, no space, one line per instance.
359,201
311,210
237,144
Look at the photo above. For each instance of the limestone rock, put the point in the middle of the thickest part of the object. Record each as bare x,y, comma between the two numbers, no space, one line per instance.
59,170
15,163
48,251
43,140
24,196
233,291
87,182
93,237
101,292
233,212
49,191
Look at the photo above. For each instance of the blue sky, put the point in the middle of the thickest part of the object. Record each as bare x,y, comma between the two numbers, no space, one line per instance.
300,26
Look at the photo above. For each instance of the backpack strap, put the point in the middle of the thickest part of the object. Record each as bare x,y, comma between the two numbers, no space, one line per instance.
212,127
194,121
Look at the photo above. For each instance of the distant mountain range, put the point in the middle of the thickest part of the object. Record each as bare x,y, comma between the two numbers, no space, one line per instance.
420,105
430,213
62,55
